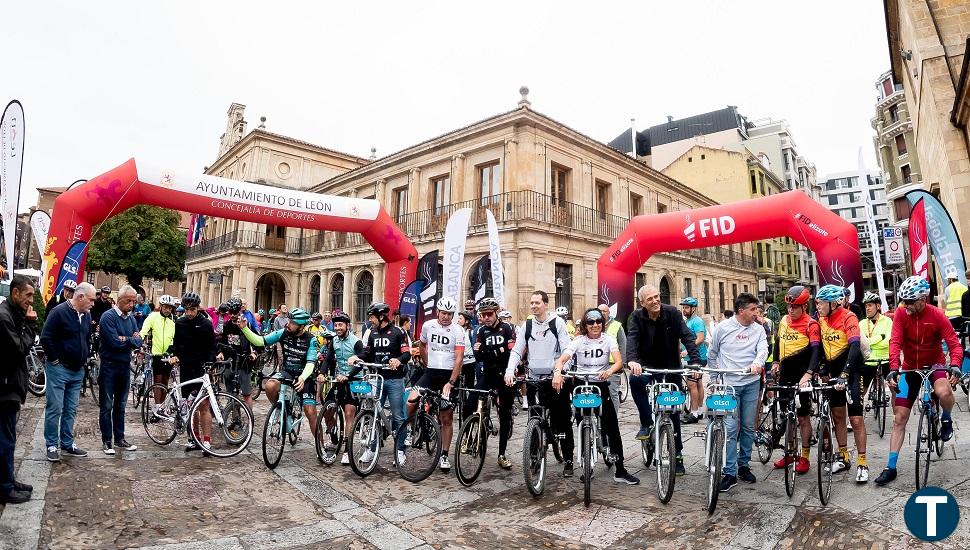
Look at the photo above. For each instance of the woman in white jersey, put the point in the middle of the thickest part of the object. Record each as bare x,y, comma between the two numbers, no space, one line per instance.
592,350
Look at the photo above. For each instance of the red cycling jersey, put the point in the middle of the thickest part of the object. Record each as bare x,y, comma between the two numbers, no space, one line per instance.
919,337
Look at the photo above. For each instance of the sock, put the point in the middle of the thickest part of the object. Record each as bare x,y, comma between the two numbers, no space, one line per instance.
844,453
893,457
207,439
861,460
945,415
696,413
806,452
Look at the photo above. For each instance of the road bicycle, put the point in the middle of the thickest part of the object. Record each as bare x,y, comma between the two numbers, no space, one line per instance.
827,446
928,429
784,412
538,437
142,377
877,400
283,421
371,425
471,445
265,366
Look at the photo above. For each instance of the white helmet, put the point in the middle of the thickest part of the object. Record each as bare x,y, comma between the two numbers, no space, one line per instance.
562,312
506,314
70,284
166,300
447,304
913,288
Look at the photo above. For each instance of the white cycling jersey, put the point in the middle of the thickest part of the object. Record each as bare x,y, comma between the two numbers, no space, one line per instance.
443,343
591,356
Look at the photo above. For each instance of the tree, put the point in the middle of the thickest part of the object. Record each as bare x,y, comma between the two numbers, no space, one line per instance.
144,241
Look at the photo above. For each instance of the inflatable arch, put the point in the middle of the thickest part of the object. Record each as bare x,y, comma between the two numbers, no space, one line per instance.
793,214
130,184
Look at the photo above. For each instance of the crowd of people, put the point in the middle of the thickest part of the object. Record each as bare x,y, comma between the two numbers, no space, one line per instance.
480,347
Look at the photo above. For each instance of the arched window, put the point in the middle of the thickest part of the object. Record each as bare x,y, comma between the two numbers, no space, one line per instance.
314,298
364,296
665,290
337,292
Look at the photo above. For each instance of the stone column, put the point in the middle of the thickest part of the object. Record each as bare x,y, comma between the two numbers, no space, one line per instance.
236,283
348,286
511,169
379,285
380,187
512,294
524,267
250,292
458,190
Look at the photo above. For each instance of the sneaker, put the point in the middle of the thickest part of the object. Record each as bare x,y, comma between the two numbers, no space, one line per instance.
727,482
745,475
688,418
14,497
567,468
679,469
206,446
802,466
784,461
401,458
191,446
123,444
345,459
329,446
368,456
623,476
108,449
18,486
862,474
444,464
53,455
643,434
504,463
840,465
946,430
887,475
74,450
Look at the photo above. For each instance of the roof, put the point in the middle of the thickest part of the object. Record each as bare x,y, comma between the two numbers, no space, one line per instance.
308,144
678,130
52,189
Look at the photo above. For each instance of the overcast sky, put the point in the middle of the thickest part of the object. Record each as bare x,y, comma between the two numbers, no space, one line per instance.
102,82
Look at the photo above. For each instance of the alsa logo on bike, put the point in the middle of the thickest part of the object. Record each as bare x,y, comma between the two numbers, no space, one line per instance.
722,225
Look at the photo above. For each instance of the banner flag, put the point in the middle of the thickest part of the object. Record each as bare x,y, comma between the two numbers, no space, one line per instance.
481,274
455,235
11,169
190,234
71,266
919,247
409,302
40,225
942,236
495,253
428,294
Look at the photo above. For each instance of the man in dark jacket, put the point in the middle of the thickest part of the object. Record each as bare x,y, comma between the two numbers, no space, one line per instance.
17,318
194,346
65,341
66,294
119,336
102,304
653,340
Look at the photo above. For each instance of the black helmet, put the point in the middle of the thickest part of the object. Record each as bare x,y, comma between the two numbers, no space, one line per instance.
234,305
488,304
191,299
340,317
316,315
223,309
378,309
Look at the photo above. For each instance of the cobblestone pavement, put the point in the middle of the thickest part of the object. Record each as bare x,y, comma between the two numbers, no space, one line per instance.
161,498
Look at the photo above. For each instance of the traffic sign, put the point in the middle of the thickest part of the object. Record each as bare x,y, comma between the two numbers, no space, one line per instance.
894,249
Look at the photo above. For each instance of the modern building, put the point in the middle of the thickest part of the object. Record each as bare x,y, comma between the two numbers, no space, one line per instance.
895,148
845,194
731,176
559,197
928,44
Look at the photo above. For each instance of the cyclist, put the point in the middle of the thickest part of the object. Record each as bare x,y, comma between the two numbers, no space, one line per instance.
242,351
443,346
842,358
66,294
300,351
160,326
336,364
387,345
316,327
194,345
563,314
592,350
918,330
688,306
877,329
798,343
542,338
492,346
505,316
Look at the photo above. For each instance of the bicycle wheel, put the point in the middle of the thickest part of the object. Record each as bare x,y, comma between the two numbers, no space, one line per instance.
91,379
159,418
586,440
666,461
937,440
225,440
825,459
273,438
923,449
624,386
534,456
421,436
764,435
882,405
470,449
715,466
791,454
256,381
329,432
36,377
364,437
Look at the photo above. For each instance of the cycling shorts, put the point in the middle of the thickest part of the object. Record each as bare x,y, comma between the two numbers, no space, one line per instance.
340,392
163,369
910,384
859,382
791,374
433,379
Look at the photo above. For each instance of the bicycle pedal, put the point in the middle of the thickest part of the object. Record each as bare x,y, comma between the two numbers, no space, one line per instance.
700,434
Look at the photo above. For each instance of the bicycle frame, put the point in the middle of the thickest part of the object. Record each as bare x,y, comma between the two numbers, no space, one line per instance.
206,387
587,394
370,400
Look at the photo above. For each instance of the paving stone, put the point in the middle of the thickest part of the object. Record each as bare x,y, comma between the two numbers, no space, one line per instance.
297,536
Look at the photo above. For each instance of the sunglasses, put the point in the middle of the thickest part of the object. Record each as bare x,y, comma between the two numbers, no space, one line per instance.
909,302
487,314
594,322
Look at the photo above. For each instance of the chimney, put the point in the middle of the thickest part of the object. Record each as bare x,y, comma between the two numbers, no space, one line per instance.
373,153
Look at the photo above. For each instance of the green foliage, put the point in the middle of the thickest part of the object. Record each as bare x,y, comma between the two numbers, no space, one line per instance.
40,307
144,241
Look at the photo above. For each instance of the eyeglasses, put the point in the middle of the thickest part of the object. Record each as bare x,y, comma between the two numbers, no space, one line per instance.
590,322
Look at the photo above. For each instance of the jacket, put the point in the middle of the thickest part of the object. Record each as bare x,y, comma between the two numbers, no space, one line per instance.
65,336
656,344
113,349
16,338
55,301
162,330
195,342
918,337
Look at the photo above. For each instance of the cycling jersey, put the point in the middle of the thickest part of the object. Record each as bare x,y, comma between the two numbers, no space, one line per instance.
878,335
162,331
443,343
300,349
696,324
919,339
384,344
592,356
342,349
469,356
798,342
839,330
494,345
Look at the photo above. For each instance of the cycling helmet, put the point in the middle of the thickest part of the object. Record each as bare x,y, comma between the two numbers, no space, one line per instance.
272,312
106,290
70,284
830,293
689,301
488,304
340,317
505,315
223,309
260,312
316,315
469,304
798,295
447,304
378,309
562,312
914,288
180,309
166,300
299,316
234,305
871,298
191,299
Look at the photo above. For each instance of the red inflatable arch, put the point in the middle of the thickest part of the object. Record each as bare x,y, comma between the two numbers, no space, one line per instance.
130,184
793,214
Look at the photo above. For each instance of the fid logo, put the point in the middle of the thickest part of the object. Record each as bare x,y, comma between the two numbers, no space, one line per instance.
931,514
722,225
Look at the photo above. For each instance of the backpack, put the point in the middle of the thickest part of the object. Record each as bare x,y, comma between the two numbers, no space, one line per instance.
552,329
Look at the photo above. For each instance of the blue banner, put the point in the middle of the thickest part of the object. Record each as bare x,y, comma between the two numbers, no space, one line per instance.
70,267
409,301
943,237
